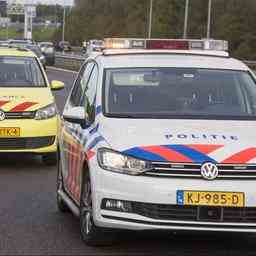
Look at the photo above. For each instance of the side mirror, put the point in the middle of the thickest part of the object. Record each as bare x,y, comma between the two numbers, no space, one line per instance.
57,85
76,115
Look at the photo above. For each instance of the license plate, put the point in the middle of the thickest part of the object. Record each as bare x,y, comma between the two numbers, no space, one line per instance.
10,132
210,198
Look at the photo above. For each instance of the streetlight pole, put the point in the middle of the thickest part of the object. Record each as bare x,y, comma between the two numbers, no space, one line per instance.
63,21
150,19
186,20
209,19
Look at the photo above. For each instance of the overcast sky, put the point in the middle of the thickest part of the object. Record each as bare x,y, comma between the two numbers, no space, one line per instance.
67,2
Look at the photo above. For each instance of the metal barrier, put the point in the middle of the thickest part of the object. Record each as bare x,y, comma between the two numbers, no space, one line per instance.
69,61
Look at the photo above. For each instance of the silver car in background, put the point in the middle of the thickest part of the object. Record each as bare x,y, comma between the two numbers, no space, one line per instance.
48,51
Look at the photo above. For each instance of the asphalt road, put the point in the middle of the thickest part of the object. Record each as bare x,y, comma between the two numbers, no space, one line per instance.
31,225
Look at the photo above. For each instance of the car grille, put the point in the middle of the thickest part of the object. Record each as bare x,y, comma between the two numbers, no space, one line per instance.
185,170
26,142
191,213
19,115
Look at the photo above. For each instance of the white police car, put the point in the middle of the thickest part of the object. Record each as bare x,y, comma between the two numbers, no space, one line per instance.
160,134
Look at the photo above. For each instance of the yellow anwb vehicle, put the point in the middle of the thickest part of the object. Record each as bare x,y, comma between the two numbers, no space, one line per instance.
28,114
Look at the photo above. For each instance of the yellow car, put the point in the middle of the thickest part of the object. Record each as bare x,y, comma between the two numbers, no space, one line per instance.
28,114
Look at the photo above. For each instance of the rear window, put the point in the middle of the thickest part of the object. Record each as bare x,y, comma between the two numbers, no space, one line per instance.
179,93
20,72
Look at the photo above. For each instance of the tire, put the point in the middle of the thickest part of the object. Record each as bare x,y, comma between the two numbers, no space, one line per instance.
50,159
90,233
61,205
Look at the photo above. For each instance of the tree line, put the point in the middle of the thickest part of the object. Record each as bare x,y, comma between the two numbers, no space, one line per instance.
232,20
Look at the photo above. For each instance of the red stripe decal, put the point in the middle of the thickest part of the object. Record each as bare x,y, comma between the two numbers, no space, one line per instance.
241,157
90,154
23,106
3,102
204,148
168,154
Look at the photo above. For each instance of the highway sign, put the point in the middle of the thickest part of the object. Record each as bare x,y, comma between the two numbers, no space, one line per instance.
15,9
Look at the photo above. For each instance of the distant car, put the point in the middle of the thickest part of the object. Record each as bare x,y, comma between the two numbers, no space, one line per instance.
20,42
64,46
94,46
4,43
36,49
48,51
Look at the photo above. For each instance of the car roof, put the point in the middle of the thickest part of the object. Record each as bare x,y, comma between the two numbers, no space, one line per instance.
15,52
167,58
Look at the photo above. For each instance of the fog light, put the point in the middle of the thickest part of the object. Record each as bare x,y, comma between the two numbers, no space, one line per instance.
116,205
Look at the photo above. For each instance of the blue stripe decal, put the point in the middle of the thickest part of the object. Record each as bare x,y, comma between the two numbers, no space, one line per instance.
98,110
94,130
95,142
196,156
140,153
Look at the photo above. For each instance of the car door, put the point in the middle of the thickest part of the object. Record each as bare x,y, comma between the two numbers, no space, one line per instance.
69,138
89,103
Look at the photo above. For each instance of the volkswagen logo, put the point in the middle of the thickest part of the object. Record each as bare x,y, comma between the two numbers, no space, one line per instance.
209,171
2,115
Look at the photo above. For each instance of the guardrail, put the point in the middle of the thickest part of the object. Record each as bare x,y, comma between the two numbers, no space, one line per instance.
249,62
69,61
74,61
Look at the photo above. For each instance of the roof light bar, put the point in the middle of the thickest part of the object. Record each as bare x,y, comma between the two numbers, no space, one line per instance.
167,44
170,44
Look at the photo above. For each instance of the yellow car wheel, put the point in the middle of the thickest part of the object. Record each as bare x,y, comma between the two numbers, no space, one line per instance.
50,158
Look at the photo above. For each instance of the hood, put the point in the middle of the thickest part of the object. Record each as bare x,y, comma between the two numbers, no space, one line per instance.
186,141
24,99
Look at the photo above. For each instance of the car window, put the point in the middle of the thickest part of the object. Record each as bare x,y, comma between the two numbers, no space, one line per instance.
90,94
80,84
20,72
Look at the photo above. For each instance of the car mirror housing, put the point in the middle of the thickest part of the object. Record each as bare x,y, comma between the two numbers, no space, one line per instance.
57,85
76,115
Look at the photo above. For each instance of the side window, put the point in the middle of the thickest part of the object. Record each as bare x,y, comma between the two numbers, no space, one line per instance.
80,84
90,94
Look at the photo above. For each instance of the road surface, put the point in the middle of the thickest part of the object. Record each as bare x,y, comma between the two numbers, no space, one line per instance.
31,225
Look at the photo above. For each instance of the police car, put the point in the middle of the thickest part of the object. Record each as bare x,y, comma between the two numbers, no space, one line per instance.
28,114
159,135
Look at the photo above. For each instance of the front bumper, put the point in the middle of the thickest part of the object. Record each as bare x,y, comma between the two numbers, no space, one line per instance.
36,136
163,191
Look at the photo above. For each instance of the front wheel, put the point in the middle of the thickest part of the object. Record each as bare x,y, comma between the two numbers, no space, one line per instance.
91,234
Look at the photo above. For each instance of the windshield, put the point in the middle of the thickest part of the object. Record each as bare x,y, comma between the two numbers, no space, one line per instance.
20,72
179,93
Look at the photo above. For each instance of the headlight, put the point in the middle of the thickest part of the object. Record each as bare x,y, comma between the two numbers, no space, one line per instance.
46,112
116,162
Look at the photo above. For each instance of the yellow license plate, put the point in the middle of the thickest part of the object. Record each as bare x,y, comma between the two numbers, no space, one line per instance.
210,198
10,132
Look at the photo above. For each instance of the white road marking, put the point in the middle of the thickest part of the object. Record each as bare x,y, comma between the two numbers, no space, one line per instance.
61,69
